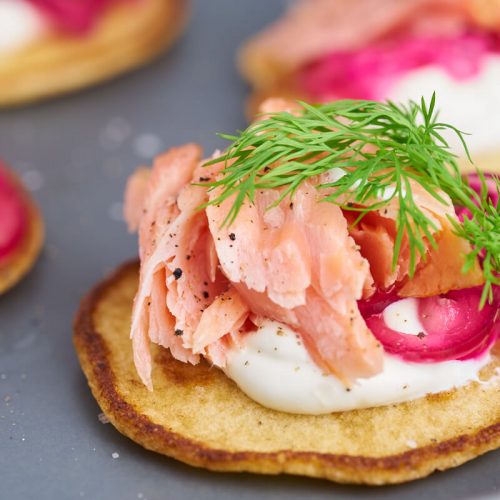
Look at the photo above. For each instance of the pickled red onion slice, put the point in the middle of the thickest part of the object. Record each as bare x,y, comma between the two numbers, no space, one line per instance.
475,183
76,16
377,302
13,215
455,328
370,72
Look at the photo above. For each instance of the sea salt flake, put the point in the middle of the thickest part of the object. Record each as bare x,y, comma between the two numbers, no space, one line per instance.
115,133
33,180
103,418
411,443
147,145
115,455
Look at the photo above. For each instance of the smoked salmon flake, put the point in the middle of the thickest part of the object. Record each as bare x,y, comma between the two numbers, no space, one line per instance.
202,283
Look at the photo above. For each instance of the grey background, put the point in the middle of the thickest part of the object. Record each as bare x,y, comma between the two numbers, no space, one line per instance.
76,153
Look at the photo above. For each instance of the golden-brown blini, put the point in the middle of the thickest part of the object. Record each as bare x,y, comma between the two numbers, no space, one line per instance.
128,35
199,416
16,264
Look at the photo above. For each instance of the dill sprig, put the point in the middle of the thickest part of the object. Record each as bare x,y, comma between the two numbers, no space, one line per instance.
482,229
377,149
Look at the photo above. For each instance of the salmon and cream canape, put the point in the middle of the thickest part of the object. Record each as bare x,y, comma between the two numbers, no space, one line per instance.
331,260
321,50
51,47
21,230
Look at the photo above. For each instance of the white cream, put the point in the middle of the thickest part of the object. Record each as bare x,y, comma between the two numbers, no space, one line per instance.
402,316
472,105
20,24
274,369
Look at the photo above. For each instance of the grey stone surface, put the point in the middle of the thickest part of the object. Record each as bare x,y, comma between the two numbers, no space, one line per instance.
76,153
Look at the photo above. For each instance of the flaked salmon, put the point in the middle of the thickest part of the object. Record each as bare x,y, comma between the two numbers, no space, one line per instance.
201,281
172,234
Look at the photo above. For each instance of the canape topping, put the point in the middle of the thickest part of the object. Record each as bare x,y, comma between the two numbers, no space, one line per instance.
383,148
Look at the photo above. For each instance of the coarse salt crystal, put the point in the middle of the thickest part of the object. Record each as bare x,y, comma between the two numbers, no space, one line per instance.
115,455
103,418
115,133
33,180
147,145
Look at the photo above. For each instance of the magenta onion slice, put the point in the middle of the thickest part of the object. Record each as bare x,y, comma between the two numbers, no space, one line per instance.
476,184
13,216
76,16
370,72
455,328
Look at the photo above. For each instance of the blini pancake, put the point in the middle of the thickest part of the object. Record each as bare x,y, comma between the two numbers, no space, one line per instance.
198,416
129,35
17,264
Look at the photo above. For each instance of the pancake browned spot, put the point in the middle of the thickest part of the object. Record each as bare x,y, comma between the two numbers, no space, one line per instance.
129,35
197,415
